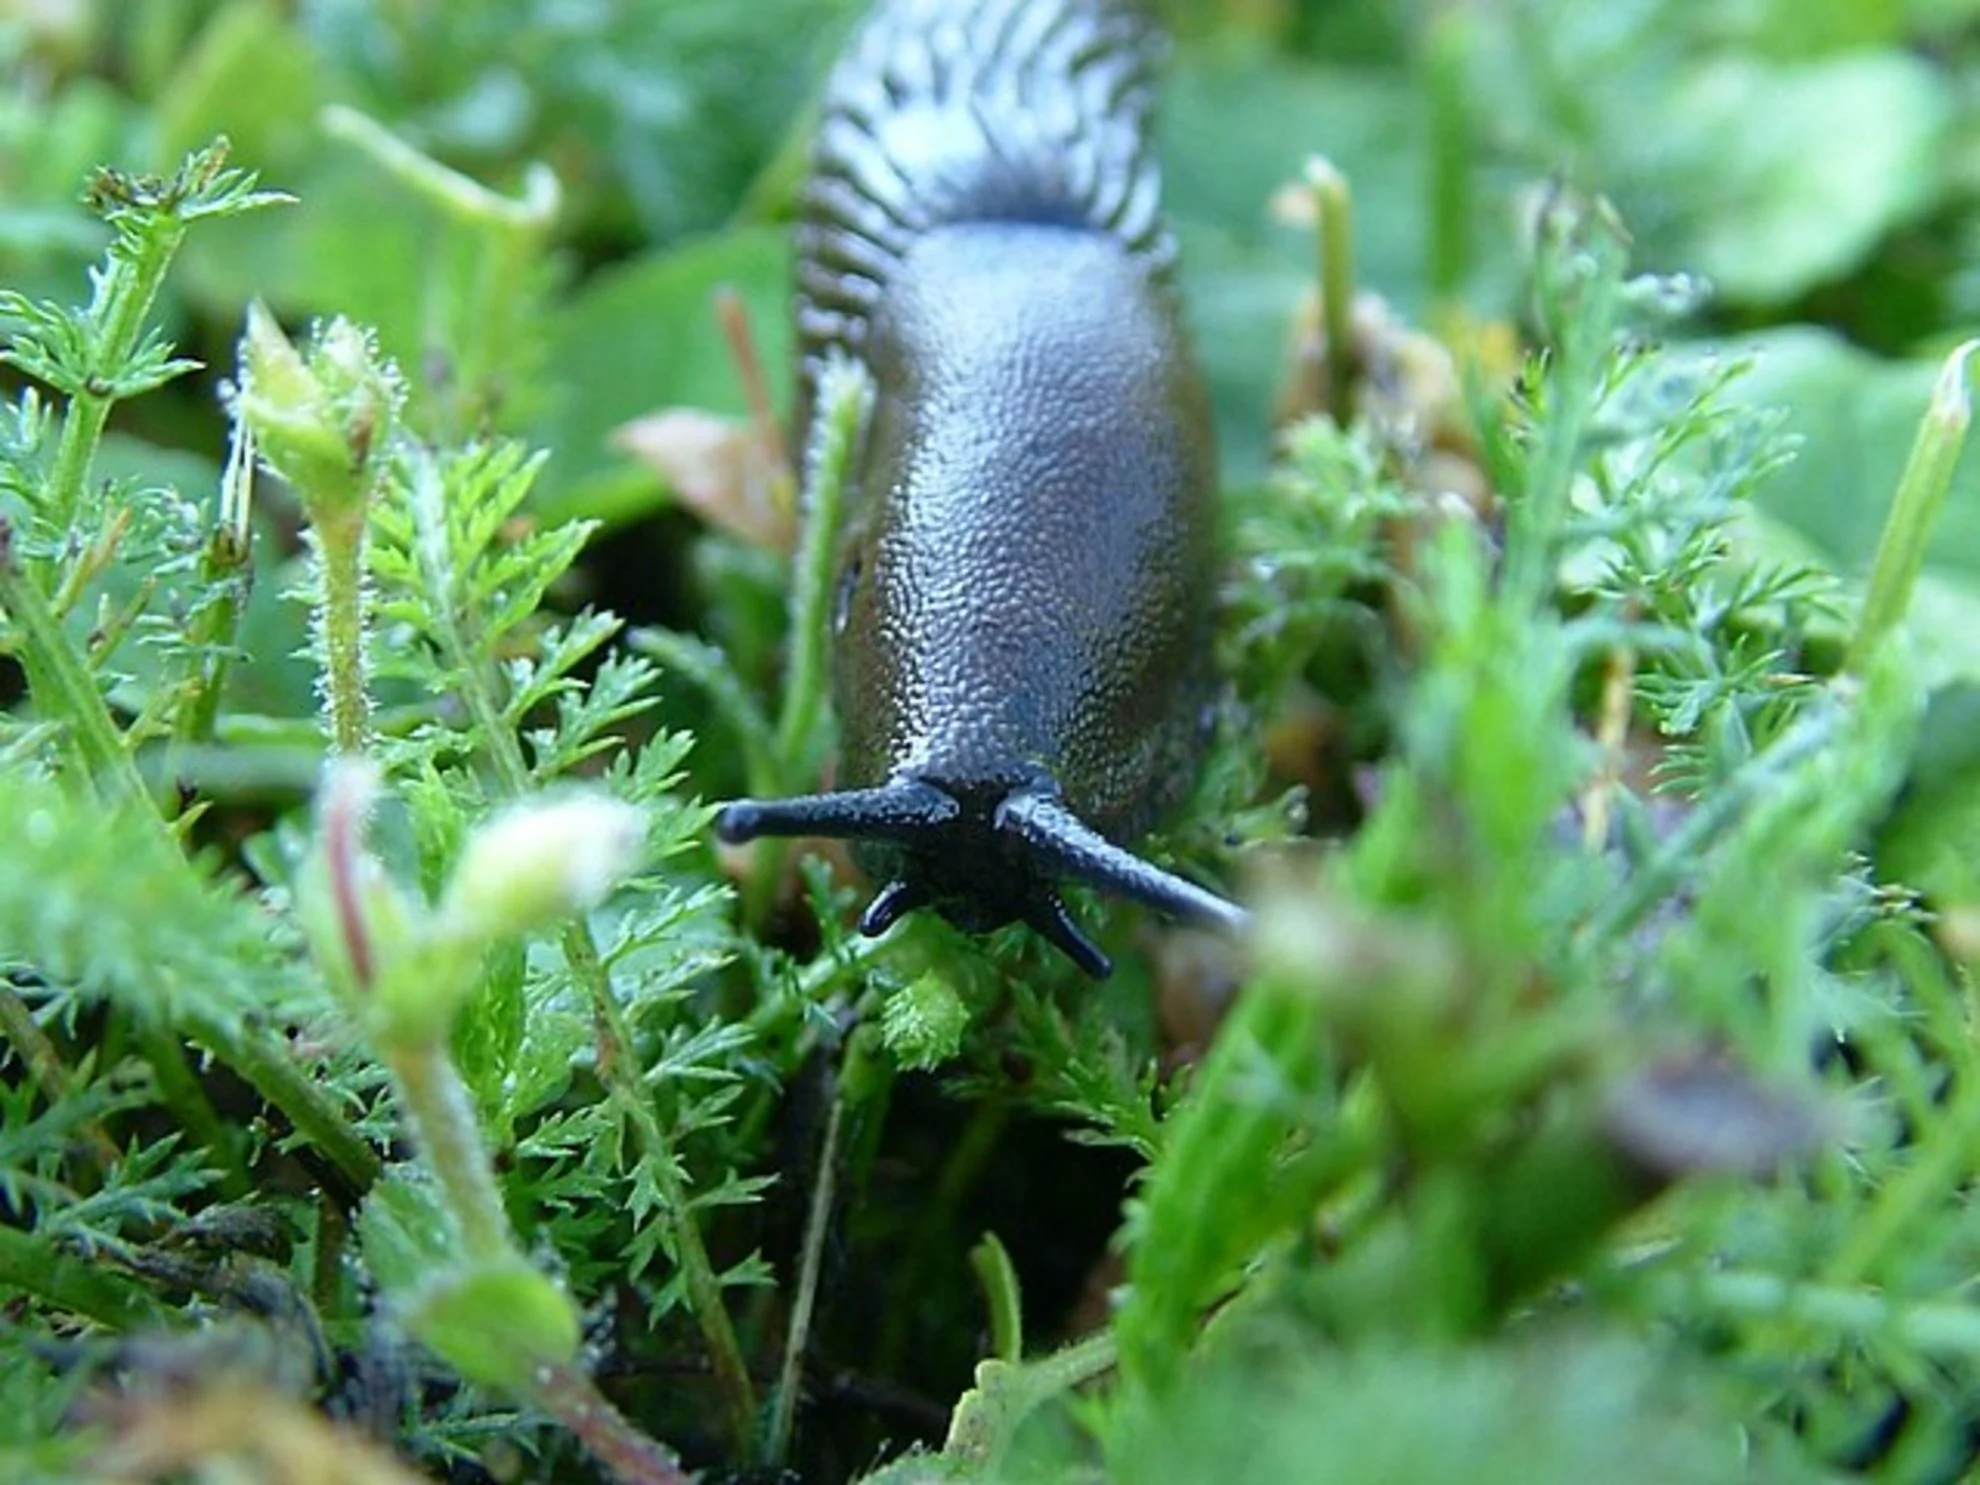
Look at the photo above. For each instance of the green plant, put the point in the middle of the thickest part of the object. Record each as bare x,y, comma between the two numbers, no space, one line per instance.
1596,1103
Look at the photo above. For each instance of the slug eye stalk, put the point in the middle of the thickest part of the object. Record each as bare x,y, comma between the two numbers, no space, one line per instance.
932,839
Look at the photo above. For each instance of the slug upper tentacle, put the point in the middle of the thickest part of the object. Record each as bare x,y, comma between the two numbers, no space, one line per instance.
1022,633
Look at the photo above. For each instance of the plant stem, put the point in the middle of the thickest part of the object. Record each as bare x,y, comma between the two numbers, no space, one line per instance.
60,682
328,1253
844,395
620,1074
127,292
224,566
707,668
1942,1162
1677,858
180,1092
1578,281
1612,738
845,392
31,1264
1005,1395
1921,494
1074,1365
461,196
273,1074
617,1064
440,1115
1335,206
817,1223
1949,1330
1453,149
45,1066
567,1394
733,315
341,632
1221,1178
998,1276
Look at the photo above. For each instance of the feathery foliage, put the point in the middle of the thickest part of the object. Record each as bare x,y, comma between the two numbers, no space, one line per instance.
398,1082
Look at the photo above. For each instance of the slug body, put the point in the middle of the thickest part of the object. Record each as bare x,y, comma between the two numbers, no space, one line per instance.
1021,631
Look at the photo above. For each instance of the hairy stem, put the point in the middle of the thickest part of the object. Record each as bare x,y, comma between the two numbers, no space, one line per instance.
440,1114
341,634
573,1399
126,296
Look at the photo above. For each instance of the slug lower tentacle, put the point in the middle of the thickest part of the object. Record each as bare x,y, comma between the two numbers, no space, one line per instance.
1022,628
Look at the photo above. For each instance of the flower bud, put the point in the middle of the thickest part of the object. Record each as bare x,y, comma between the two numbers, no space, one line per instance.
358,922
321,418
539,862
496,1323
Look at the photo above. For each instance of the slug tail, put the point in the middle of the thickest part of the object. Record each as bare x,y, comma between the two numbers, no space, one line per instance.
953,111
1070,849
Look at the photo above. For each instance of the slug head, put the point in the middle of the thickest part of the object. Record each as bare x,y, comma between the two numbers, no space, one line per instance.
981,857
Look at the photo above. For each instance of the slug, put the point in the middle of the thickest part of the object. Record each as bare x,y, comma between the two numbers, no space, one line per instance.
1021,628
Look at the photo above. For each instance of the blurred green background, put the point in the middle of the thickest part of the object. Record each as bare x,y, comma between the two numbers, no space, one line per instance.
1813,159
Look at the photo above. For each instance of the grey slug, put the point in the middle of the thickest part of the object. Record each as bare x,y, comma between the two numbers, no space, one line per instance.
1021,634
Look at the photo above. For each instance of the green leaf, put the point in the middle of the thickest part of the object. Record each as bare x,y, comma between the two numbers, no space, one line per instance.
1802,169
105,899
923,1024
251,77
1237,123
1855,417
645,336
1552,1411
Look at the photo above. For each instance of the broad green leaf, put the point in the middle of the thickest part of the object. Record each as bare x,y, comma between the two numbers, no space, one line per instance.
1238,299
645,336
1855,415
251,77
1798,171
1237,124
